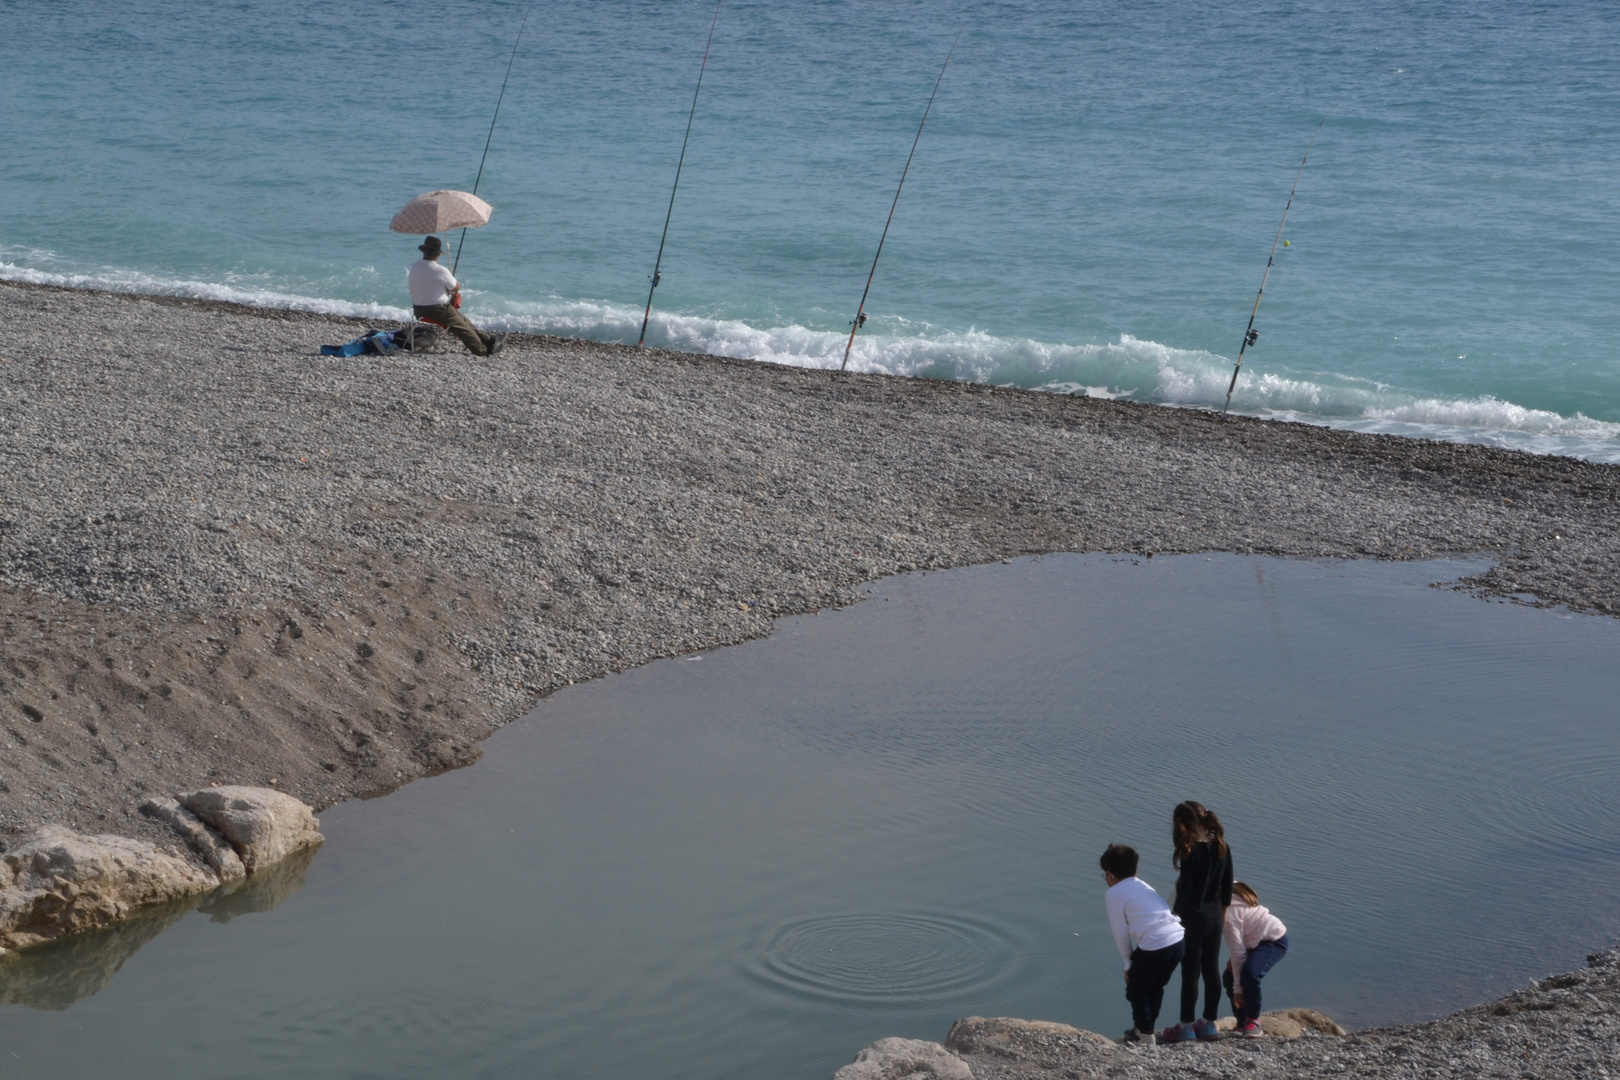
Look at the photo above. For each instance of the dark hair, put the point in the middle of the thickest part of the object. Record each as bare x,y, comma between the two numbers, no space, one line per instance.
1120,861
1241,890
1187,819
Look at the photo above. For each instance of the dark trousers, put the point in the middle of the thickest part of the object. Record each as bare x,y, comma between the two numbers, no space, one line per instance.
1261,959
1145,982
476,340
1202,960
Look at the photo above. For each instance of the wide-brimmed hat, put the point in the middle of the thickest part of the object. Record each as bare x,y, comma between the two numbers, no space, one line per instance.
431,247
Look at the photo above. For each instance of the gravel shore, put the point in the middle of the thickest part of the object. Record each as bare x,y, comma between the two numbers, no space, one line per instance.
1560,1028
224,557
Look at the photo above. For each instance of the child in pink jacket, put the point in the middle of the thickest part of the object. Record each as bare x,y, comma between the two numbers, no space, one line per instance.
1256,939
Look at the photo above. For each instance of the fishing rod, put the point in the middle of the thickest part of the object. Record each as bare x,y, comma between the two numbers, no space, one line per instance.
490,137
1251,335
860,312
656,276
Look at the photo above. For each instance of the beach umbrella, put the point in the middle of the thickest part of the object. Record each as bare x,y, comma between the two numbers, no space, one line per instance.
441,211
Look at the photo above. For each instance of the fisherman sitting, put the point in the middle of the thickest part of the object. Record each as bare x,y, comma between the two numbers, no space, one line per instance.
433,293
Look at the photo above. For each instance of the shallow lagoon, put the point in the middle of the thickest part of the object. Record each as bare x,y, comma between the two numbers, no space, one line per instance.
756,860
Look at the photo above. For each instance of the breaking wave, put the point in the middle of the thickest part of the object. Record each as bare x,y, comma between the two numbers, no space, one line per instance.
1129,368
239,291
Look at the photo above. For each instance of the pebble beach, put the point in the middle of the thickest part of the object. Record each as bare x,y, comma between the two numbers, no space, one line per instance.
1564,1025
227,559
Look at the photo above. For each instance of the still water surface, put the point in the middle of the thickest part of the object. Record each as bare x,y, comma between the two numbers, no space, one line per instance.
755,861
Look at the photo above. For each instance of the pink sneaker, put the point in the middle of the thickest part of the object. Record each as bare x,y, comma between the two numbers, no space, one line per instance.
1250,1029
1176,1033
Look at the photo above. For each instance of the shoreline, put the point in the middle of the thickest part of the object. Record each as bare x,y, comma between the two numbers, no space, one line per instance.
226,558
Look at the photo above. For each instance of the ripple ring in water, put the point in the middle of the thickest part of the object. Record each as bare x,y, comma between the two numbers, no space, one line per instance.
887,958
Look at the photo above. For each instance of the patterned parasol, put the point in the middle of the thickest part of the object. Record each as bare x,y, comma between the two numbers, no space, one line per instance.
441,211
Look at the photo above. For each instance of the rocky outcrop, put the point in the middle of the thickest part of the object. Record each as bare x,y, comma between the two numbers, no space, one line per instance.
905,1059
58,882
264,826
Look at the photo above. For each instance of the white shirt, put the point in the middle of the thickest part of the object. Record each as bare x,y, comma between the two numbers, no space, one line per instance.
1247,927
1140,919
430,283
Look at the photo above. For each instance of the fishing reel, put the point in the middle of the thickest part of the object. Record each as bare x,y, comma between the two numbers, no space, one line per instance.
1251,337
858,321
656,278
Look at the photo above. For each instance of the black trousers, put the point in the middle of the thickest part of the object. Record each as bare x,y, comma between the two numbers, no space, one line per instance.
1145,982
1202,960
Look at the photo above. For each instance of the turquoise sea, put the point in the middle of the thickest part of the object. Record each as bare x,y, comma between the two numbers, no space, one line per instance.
1089,211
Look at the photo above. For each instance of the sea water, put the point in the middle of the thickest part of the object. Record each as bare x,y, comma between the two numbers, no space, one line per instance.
754,861
1090,209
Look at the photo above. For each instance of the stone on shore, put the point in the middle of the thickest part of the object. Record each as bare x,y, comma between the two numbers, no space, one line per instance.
213,848
263,826
905,1059
58,882
1289,1023
1012,1038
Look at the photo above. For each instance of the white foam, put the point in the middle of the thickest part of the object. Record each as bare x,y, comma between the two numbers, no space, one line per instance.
1128,368
135,281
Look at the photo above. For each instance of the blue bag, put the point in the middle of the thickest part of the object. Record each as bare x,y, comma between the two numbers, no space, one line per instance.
377,341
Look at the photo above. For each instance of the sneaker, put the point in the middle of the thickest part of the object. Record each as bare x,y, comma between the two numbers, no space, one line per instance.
1177,1033
496,343
1250,1029
1206,1031
1142,1038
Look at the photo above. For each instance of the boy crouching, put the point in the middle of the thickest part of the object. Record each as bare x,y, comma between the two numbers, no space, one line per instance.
1149,938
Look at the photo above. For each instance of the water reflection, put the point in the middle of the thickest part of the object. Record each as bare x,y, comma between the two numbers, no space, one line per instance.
57,974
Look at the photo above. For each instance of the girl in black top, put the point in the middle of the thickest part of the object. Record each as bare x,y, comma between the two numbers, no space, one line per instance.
1203,893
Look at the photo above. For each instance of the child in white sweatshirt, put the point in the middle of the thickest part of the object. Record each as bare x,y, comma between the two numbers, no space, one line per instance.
1256,939
1147,935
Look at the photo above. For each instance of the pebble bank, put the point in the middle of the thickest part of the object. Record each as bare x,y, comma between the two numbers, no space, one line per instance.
227,559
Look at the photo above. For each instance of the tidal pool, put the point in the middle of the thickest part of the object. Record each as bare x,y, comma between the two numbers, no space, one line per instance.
754,861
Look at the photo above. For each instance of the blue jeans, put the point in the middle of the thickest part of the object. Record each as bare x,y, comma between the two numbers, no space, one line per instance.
1261,959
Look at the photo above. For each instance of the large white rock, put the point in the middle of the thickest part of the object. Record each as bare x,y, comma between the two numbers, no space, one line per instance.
58,882
905,1059
264,826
